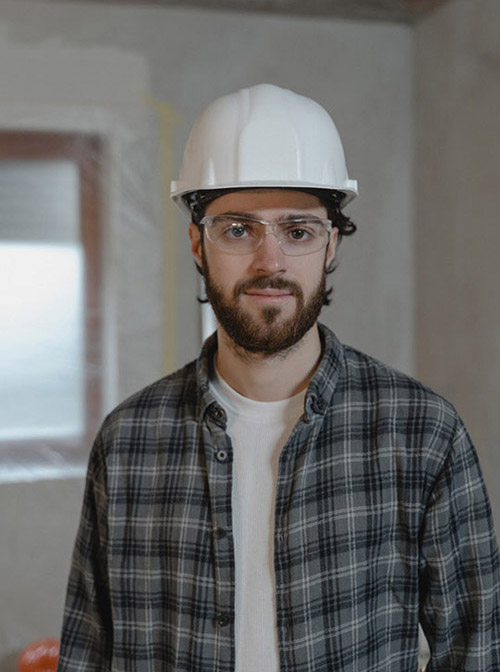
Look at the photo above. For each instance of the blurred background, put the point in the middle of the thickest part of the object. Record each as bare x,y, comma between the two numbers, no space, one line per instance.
98,290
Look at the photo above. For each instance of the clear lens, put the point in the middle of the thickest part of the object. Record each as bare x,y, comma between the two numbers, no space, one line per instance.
241,235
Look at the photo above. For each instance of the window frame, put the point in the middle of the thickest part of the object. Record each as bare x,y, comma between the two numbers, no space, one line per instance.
85,150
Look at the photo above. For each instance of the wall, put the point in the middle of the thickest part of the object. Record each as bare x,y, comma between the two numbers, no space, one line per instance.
140,76
457,231
360,72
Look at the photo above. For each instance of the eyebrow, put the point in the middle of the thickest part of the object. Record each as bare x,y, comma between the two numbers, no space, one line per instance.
284,218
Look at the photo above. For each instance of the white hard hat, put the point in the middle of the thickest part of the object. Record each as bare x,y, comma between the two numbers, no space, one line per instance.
263,136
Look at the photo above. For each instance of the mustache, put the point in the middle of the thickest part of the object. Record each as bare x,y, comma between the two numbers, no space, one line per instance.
266,282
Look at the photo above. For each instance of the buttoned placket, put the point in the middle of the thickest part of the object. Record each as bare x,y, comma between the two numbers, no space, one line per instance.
219,456
296,449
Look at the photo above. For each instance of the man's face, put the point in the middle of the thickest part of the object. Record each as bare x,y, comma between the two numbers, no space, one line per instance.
265,301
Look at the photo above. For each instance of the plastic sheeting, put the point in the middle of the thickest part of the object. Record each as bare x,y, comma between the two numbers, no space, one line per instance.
82,246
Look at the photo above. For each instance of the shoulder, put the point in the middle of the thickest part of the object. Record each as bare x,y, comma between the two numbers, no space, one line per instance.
370,373
422,430
369,388
162,414
167,399
397,395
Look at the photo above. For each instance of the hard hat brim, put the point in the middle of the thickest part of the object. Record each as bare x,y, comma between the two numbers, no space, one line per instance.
179,190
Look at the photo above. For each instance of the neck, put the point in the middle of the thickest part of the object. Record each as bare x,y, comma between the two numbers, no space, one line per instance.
268,378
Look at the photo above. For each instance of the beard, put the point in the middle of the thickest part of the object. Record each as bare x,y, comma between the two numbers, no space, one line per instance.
270,334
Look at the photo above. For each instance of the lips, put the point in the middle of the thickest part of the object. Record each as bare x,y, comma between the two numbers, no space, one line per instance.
268,287
268,292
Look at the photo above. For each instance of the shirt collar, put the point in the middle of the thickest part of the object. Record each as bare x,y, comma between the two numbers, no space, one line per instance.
321,388
330,370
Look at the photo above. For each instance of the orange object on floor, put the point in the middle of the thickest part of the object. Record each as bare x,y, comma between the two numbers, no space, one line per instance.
39,656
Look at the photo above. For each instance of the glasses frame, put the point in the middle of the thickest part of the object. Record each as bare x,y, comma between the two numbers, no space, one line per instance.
271,229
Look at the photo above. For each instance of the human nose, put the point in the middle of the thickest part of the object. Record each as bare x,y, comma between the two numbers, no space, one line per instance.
269,257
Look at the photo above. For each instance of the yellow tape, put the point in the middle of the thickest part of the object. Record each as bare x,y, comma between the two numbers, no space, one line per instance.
167,118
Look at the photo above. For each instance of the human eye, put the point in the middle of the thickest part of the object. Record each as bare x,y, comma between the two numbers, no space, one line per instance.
302,230
236,231
228,227
298,233
242,228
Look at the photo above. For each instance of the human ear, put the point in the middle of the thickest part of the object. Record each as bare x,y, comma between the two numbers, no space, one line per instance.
195,238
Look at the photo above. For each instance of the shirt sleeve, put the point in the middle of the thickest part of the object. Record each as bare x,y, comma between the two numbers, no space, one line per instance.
86,639
459,567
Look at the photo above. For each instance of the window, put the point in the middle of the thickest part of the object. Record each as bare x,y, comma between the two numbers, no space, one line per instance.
50,341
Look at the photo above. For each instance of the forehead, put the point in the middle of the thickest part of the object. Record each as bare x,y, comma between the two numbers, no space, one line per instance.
266,201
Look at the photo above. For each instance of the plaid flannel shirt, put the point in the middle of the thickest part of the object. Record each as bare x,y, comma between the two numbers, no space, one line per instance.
381,521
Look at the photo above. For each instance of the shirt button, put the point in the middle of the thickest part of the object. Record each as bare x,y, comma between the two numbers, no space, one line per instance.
220,533
222,620
321,405
217,412
221,456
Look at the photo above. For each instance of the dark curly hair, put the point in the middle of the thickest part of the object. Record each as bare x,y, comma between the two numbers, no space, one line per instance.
197,202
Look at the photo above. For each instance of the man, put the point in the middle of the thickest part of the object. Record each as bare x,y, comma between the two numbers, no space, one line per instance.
285,502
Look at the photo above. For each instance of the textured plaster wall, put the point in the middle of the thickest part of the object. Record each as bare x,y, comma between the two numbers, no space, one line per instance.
360,72
37,526
140,76
457,228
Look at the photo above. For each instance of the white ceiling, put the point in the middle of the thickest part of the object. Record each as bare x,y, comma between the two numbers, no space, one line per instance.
404,11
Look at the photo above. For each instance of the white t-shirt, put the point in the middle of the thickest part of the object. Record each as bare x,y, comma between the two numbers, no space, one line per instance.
258,432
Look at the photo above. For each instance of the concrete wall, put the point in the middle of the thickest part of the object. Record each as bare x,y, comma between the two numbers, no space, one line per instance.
38,524
140,76
457,227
